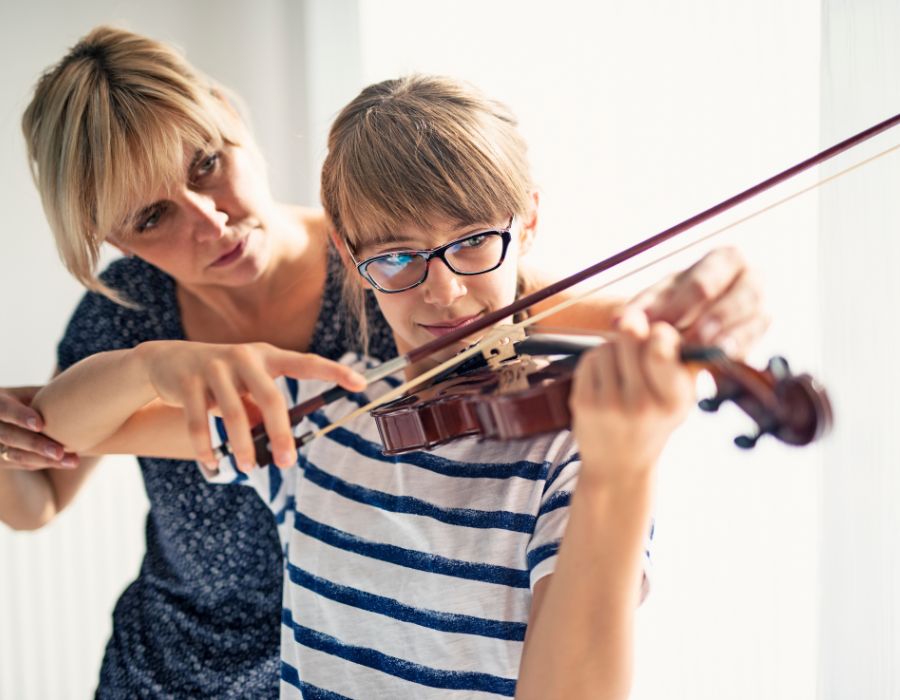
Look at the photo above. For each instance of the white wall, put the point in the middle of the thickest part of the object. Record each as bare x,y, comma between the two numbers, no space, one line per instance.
639,114
860,253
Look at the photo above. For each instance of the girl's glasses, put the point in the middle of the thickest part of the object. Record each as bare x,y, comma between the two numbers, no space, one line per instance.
400,270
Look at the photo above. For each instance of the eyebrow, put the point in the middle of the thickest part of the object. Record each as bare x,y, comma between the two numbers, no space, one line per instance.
135,219
199,155
410,243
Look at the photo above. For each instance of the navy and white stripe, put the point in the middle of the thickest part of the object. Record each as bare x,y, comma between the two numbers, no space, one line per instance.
410,576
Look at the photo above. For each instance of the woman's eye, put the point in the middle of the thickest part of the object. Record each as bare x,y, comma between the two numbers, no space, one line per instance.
150,218
205,166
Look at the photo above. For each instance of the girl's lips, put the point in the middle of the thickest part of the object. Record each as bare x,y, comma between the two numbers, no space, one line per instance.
230,256
439,329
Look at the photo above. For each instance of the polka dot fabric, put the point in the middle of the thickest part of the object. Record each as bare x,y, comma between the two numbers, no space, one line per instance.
202,619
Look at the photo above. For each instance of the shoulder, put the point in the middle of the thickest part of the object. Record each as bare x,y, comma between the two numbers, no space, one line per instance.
100,324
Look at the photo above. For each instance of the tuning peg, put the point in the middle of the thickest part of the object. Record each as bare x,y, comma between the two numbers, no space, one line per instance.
711,405
779,367
748,442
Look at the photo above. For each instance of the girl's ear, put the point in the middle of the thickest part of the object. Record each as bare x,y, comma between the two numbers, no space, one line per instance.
529,224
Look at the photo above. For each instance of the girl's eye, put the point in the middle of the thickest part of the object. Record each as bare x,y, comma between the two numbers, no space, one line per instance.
205,166
475,241
150,218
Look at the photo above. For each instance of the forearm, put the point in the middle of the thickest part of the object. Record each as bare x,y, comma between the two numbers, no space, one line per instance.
29,499
92,399
579,644
593,313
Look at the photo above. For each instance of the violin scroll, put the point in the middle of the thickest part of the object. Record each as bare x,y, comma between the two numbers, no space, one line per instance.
794,409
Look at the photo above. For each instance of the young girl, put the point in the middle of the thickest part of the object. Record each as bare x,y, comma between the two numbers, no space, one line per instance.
474,570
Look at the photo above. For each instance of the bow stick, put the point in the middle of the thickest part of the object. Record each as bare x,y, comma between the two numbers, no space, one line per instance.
501,335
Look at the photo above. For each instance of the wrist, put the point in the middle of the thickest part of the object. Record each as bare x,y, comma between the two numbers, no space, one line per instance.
620,477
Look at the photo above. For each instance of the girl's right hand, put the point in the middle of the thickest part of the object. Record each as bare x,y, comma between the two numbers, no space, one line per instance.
21,444
627,397
236,381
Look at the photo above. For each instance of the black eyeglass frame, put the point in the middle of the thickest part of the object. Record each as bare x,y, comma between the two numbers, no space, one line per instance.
438,252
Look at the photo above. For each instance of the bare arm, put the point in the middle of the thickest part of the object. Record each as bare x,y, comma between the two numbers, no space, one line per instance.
626,399
580,633
29,499
77,416
37,479
91,401
22,445
154,399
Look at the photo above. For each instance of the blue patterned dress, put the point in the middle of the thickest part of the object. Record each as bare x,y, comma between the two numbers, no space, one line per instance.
202,618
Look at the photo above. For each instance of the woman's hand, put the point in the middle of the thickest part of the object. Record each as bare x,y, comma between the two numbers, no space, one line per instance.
237,382
21,444
716,301
627,397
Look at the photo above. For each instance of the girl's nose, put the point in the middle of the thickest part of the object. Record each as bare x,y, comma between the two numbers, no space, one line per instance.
443,286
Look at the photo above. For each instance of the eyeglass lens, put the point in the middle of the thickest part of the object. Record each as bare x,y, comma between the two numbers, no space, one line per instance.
471,255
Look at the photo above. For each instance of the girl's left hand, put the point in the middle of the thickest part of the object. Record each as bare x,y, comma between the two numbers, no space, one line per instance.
627,397
716,301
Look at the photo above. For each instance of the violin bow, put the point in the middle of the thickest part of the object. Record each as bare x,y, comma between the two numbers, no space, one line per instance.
500,334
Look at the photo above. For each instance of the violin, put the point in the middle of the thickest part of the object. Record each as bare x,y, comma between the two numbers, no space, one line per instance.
497,402
792,408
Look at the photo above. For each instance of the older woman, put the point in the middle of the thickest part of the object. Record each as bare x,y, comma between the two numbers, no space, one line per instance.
131,146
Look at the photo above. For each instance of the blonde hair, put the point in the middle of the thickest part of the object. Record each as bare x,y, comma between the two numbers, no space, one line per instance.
411,149
109,124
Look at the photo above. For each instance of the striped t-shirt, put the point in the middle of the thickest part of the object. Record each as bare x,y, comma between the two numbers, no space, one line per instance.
409,576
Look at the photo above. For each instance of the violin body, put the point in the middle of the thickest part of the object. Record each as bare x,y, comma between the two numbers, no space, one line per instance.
474,404
483,403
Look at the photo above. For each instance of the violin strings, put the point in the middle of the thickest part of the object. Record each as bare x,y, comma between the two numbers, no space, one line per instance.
495,336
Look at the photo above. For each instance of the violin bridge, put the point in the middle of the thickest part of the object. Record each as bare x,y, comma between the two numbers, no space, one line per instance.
500,345
514,375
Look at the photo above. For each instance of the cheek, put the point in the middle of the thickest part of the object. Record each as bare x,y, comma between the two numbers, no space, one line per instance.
167,255
396,309
249,181
495,290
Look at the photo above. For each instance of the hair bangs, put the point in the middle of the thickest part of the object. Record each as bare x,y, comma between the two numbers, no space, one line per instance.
150,149
412,158
117,120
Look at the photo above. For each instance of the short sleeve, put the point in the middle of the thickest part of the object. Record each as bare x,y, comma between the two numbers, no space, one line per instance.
553,515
